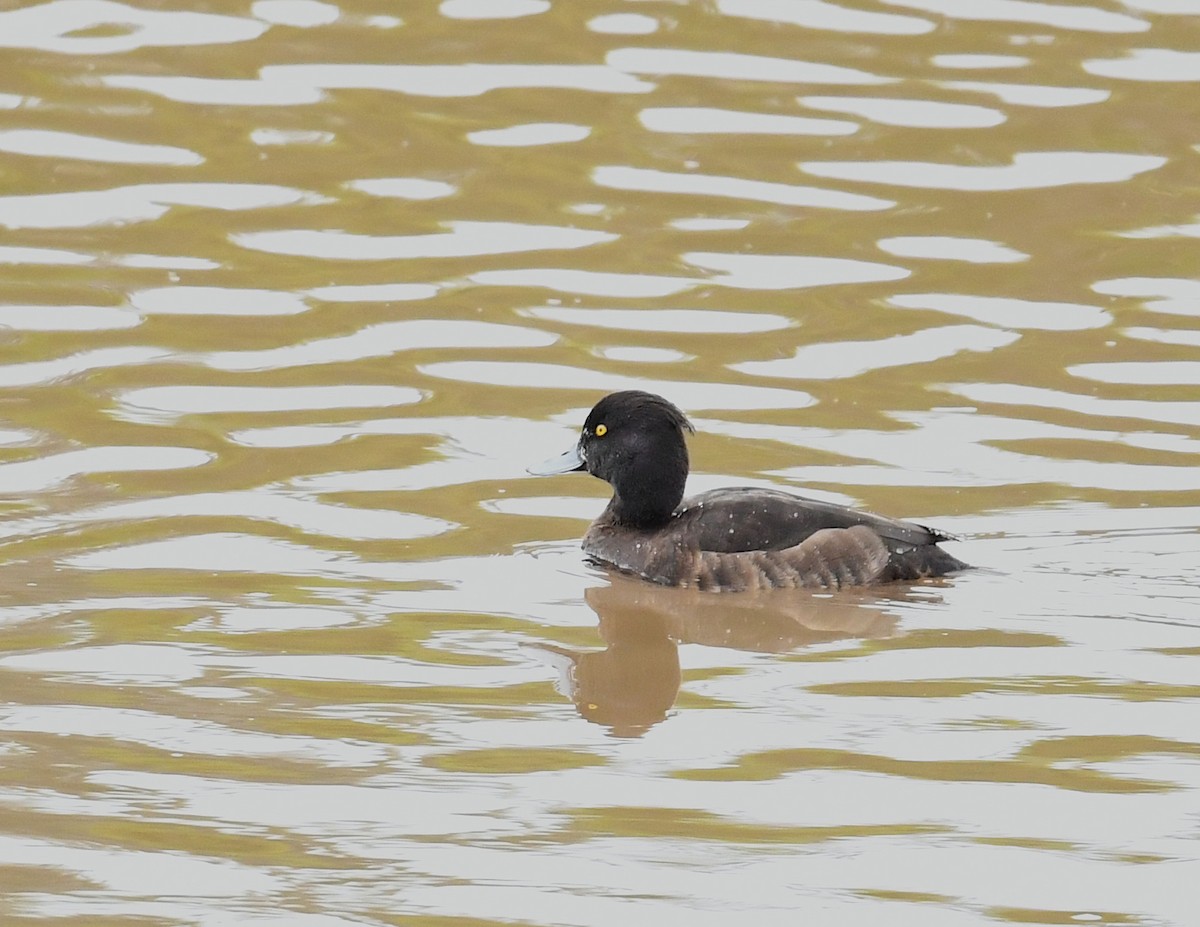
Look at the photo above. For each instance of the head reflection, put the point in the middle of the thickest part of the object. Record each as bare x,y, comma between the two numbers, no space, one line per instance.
632,684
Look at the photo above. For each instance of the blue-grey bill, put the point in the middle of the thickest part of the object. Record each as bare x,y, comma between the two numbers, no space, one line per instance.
564,463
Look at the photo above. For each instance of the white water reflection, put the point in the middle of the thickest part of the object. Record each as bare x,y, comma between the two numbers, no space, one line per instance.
734,66
1144,373
739,271
274,617
945,248
407,188
223,552
276,507
266,137
11,436
158,403
462,239
530,134
1173,287
67,318
1149,64
51,470
382,340
303,14
62,26
44,143
1060,16
544,507
1031,94
1190,230
198,911
652,181
683,890
12,254
983,450
492,9
1179,296
663,181
376,670
1007,312
1030,170
468,450
587,282
1011,394
976,62
818,14
683,394
149,664
374,293
61,368
694,321
123,872
639,355
182,735
462,80
223,91
704,120
789,271
120,664
139,203
213,300
709,225
316,808
165,262
623,24
1164,336
1166,7
839,360
924,114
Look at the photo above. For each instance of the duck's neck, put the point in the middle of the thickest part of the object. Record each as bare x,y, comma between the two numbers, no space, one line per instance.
644,499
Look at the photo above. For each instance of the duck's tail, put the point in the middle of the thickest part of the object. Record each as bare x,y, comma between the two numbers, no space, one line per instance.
914,563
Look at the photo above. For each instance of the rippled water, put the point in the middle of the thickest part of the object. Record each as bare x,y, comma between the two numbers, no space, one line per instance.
292,293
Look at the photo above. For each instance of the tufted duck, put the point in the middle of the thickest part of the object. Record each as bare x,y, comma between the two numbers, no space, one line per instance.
727,539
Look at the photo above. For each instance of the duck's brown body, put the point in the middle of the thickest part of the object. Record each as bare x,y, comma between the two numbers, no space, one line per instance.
743,538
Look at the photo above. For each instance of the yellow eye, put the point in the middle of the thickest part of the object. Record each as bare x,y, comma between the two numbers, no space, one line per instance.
601,430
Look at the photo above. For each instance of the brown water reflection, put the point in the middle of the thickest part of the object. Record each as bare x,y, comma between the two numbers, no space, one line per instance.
292,292
632,683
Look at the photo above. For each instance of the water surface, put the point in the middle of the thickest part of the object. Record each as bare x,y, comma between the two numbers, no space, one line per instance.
292,294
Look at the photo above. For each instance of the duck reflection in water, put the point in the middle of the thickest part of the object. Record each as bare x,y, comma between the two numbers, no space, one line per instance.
632,684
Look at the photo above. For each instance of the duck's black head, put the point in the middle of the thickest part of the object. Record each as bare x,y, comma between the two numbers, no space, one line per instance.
633,441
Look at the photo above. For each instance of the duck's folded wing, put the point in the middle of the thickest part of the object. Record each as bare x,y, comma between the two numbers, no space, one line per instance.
740,519
829,559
